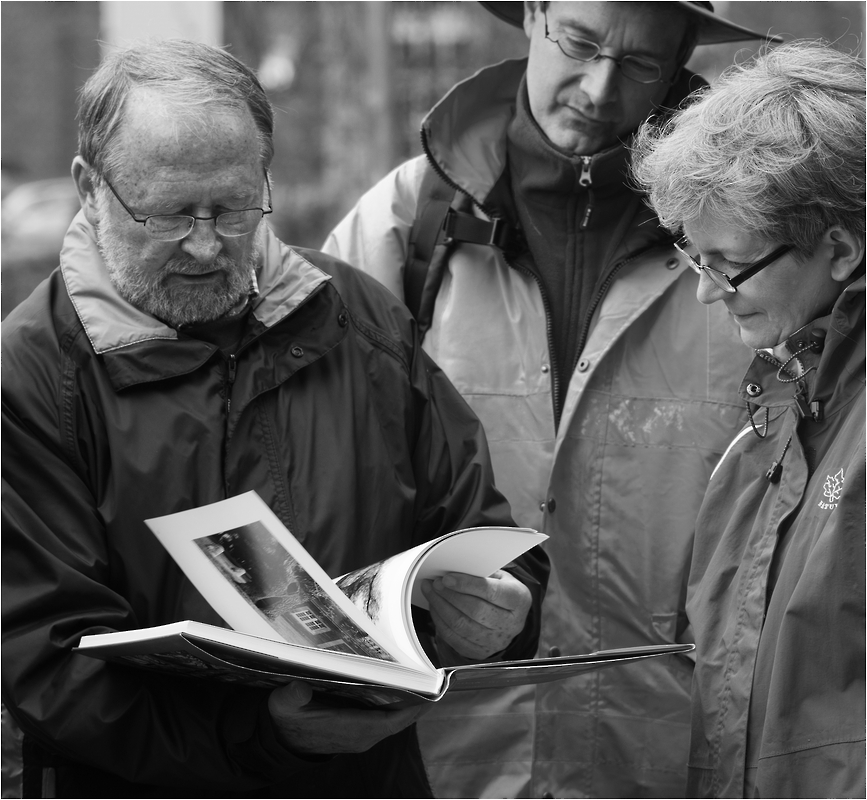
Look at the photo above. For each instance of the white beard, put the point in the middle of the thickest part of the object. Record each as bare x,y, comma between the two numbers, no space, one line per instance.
180,305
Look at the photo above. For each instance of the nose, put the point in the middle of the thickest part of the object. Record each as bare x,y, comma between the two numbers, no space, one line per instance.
601,80
202,243
708,292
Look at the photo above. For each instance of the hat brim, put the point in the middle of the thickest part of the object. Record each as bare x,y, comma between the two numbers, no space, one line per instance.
711,28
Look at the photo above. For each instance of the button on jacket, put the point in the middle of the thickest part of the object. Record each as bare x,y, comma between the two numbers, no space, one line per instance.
327,408
645,415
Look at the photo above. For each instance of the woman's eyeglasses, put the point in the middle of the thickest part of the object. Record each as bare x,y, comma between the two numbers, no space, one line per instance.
726,283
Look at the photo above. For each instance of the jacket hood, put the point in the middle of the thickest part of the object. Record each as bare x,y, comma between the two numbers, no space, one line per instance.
284,277
464,134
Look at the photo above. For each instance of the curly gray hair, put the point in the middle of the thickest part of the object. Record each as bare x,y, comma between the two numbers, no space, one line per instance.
775,147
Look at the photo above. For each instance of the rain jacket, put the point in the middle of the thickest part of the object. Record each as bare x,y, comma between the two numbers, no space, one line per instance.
650,407
776,593
327,408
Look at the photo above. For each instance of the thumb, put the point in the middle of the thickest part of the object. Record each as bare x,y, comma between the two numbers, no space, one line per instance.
292,696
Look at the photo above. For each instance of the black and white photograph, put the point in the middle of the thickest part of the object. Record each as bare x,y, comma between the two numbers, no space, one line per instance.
259,568
589,270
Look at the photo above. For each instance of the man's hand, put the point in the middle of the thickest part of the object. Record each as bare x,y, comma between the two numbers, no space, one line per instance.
477,617
308,728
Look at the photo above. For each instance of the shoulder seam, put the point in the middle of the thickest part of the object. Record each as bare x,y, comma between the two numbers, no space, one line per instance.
379,339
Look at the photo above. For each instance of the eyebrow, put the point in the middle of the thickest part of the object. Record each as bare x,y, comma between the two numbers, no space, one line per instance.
743,260
576,27
169,207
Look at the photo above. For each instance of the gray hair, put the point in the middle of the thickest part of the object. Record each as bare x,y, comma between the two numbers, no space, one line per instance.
190,76
775,147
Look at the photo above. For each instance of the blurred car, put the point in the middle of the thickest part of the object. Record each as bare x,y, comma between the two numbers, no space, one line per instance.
34,217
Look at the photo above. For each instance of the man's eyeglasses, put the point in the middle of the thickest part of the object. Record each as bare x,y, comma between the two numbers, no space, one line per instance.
690,251
174,227
636,68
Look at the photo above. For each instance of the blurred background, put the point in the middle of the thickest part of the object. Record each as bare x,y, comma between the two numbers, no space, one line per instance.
350,83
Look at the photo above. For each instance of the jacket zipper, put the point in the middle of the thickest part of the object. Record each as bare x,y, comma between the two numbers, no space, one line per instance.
584,182
231,371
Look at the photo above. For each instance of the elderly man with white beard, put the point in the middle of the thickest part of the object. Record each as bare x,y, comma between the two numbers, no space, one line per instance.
180,355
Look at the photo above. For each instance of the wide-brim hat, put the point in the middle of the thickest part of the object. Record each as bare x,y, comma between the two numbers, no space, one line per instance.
712,29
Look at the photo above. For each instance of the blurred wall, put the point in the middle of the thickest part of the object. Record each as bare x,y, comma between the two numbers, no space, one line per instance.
350,83
48,50
126,21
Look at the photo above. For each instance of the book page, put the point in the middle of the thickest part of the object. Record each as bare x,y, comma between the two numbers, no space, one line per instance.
253,655
262,581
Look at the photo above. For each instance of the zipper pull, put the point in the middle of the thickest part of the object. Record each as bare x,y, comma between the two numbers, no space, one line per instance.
773,474
584,177
776,469
804,409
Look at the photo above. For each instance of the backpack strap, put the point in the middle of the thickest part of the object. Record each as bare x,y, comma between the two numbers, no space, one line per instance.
435,198
443,220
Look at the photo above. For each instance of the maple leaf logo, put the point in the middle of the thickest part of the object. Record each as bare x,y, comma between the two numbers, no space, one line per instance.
834,487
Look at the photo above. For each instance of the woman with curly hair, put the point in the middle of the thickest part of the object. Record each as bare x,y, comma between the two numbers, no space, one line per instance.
764,175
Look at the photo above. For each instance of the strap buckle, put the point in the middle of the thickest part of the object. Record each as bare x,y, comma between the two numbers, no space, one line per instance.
462,227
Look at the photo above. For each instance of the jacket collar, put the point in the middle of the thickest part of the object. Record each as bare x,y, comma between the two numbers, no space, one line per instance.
464,134
285,281
832,374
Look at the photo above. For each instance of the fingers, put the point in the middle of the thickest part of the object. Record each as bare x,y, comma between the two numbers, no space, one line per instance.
493,589
491,602
482,620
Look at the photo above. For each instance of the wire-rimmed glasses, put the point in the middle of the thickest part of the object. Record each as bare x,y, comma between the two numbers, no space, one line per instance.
726,283
174,227
636,68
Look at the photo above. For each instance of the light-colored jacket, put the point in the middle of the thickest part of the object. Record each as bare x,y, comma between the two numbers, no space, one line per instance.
776,594
649,410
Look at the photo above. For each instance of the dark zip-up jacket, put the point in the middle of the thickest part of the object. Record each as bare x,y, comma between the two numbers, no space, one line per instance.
327,408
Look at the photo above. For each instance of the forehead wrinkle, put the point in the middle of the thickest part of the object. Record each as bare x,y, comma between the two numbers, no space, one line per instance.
172,130
667,19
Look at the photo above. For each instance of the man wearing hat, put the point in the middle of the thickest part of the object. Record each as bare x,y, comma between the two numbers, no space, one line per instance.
563,314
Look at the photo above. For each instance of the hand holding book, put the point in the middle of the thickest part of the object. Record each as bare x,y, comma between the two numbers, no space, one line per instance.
310,727
476,617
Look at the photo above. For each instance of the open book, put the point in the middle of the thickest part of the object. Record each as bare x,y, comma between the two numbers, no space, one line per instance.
352,636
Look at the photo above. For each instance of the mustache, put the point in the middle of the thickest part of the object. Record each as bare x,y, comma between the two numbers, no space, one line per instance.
186,265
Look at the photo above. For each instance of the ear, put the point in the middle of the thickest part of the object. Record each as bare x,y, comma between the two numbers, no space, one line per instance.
532,11
846,252
82,175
